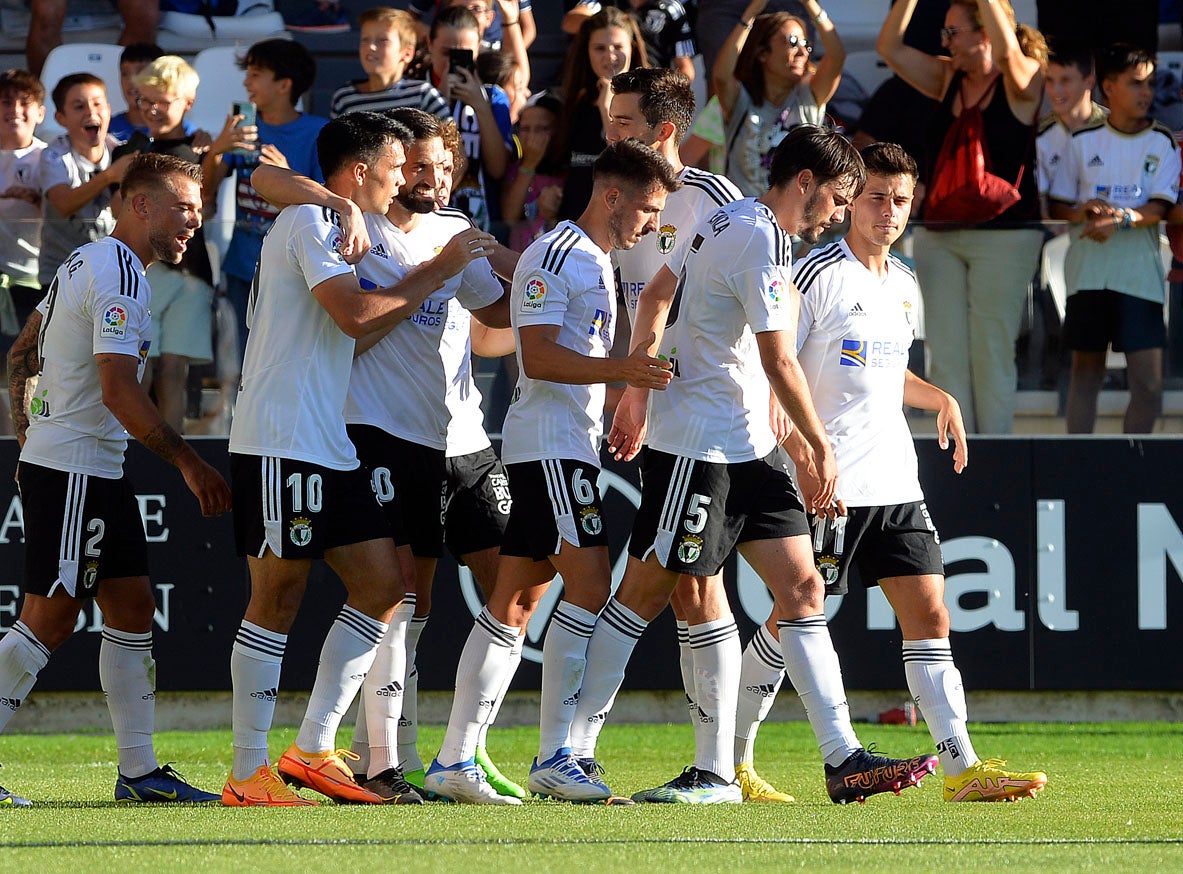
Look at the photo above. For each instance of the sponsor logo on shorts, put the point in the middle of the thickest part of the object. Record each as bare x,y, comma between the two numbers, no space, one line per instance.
827,566
689,549
589,518
300,532
114,323
667,238
534,297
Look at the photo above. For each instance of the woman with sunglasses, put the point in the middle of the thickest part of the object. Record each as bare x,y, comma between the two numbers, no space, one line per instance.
767,86
974,279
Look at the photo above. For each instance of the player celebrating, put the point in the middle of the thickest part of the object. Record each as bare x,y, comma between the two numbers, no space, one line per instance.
858,311
563,311
300,492
714,478
87,342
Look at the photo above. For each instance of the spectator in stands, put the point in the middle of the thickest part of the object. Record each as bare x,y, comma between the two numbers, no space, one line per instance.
481,113
664,25
1069,85
496,68
182,294
22,108
974,279
534,185
387,46
140,18
77,173
494,19
608,43
716,18
455,162
278,73
706,145
1118,178
767,86
133,59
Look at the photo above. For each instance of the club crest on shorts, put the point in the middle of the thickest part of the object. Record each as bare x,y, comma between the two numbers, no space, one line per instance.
90,576
589,519
689,549
667,238
827,566
300,532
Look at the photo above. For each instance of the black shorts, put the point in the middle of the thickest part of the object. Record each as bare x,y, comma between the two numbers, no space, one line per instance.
898,540
299,509
554,500
411,484
79,530
693,513
1096,320
478,503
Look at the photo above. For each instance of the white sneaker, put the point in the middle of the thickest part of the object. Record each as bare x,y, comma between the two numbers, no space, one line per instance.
463,782
561,777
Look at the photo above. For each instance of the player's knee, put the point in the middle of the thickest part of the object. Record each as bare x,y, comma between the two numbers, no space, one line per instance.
133,611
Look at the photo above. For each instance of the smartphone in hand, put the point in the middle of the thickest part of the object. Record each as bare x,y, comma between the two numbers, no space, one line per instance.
247,110
458,58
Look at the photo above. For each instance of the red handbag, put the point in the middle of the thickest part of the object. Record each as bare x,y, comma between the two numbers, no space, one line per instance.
963,191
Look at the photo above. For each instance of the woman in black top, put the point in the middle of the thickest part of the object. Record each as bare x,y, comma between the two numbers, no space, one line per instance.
974,279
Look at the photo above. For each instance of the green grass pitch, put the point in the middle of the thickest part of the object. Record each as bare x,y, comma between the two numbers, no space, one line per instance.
1114,801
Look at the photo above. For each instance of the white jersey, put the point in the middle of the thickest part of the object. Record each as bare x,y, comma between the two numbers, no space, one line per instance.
400,383
562,279
1052,144
296,369
97,303
734,281
466,422
700,194
20,221
853,337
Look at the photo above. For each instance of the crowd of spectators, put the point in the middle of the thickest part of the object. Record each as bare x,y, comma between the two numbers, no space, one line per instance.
766,67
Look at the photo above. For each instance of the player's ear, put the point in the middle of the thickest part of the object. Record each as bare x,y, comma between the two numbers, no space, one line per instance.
611,196
666,131
360,172
803,179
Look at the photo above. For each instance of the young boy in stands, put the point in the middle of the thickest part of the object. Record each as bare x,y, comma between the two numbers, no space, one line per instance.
386,47
278,73
1068,85
133,59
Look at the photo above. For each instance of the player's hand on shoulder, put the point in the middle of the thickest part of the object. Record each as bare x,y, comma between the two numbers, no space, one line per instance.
355,238
463,249
208,486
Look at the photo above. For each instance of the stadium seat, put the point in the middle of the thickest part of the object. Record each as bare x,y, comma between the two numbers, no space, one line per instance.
184,34
97,58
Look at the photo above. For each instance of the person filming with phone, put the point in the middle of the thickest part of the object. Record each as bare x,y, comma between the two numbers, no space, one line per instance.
481,113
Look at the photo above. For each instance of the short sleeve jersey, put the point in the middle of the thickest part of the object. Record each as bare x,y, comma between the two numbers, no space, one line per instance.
61,165
563,279
400,383
96,304
405,93
20,221
1124,170
734,281
853,336
700,194
296,368
466,422
1052,143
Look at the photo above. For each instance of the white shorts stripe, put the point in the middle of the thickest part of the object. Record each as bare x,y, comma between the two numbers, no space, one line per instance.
71,542
552,469
272,506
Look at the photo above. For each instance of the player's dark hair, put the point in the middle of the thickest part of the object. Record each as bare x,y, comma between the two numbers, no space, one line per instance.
664,95
17,83
1114,60
149,172
826,153
286,59
357,136
889,159
141,53
457,18
1070,53
422,125
62,88
631,164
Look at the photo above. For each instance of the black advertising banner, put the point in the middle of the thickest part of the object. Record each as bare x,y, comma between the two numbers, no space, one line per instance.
1064,560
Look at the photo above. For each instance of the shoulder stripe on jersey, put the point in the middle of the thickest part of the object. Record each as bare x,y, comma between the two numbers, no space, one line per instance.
452,212
784,246
129,277
896,261
814,266
720,189
557,251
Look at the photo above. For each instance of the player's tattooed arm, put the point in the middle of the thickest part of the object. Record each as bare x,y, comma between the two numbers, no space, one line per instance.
23,363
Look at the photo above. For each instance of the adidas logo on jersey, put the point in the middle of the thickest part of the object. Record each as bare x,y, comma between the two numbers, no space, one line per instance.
393,690
380,251
266,694
857,310
766,690
1095,161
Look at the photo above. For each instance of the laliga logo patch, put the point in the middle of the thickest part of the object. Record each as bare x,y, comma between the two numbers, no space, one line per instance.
827,566
114,322
301,531
774,291
535,295
689,549
667,237
335,242
589,518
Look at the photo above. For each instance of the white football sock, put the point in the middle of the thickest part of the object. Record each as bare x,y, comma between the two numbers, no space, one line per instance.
608,652
515,659
716,681
564,660
255,663
345,659
360,745
686,667
382,691
761,672
127,675
480,676
22,656
935,684
408,723
816,674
